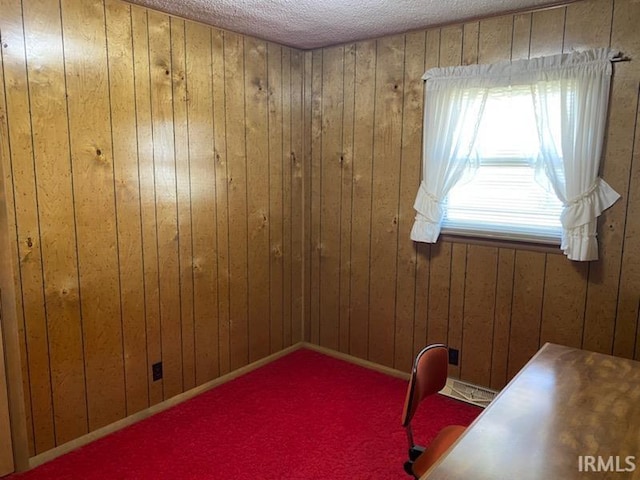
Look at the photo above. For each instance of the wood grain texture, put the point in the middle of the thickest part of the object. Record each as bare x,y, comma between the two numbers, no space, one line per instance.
93,196
16,142
276,196
501,336
287,196
627,84
140,46
362,177
521,38
299,173
307,61
423,250
315,220
257,143
203,204
183,200
457,297
496,303
9,273
131,136
387,150
578,404
127,195
253,180
590,23
547,32
409,175
479,313
346,198
237,194
50,138
332,110
222,196
528,285
495,39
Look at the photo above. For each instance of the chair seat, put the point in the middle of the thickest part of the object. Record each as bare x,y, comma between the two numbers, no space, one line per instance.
437,448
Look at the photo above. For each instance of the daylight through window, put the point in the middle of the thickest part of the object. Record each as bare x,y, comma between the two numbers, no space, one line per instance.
501,196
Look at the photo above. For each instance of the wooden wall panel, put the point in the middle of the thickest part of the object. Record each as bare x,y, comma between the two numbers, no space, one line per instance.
164,166
93,197
146,175
222,178
364,100
156,164
183,200
17,141
237,194
479,313
332,110
387,146
287,186
590,23
528,285
50,137
521,42
203,205
497,303
307,61
222,196
423,250
409,180
346,199
127,195
501,336
257,135
276,194
315,141
627,83
299,176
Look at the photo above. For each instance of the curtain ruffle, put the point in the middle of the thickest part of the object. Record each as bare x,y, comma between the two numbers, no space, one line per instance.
581,243
426,227
424,230
579,221
588,206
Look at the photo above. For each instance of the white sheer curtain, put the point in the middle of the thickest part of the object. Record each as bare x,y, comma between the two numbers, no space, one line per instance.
570,93
452,114
572,100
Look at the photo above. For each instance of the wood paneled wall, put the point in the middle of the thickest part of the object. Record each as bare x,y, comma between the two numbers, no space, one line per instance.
182,194
154,173
377,295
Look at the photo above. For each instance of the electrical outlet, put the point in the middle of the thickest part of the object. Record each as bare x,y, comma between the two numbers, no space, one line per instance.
156,368
453,356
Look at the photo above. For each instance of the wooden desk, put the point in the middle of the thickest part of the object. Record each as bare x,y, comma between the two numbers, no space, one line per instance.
563,404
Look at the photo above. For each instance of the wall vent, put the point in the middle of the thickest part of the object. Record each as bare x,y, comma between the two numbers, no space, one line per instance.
468,392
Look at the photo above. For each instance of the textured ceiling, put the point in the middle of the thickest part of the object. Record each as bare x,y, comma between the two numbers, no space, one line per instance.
309,24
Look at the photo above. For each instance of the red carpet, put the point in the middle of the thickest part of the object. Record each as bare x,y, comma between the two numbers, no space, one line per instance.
304,416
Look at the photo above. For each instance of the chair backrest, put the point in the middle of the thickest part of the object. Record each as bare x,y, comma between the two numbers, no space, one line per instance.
428,376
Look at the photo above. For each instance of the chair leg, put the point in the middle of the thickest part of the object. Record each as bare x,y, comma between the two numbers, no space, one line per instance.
408,468
415,452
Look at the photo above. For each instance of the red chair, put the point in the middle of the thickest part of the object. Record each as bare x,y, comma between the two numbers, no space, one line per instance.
428,377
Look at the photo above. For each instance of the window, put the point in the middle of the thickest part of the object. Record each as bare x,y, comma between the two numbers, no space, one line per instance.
513,150
501,196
